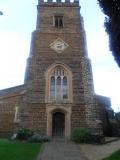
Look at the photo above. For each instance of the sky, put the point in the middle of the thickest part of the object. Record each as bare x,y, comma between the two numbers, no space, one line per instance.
16,26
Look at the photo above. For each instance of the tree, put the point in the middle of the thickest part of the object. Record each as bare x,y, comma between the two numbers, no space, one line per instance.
1,13
111,9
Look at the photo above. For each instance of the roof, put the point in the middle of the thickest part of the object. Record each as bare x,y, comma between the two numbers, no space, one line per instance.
104,100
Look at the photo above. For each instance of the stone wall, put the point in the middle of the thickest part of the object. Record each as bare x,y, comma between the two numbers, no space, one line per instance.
78,117
104,108
34,117
9,98
34,112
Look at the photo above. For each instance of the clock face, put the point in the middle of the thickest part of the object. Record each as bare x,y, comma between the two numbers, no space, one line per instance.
59,45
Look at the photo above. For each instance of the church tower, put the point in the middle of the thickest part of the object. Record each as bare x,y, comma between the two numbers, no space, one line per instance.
60,93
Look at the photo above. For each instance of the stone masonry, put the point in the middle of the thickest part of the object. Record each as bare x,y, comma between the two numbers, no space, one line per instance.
35,110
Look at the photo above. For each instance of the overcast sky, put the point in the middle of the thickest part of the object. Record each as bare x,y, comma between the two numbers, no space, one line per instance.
16,25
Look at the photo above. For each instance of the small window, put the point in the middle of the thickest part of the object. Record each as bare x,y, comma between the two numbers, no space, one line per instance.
58,21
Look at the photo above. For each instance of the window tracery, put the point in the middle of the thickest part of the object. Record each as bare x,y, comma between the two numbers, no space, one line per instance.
59,84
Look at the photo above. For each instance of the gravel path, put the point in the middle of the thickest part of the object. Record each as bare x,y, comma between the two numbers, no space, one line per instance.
98,152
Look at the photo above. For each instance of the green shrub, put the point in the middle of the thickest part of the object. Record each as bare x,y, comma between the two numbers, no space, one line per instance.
30,136
80,135
24,134
97,139
36,137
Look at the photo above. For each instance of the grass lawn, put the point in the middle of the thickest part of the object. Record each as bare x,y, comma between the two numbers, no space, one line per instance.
18,150
114,156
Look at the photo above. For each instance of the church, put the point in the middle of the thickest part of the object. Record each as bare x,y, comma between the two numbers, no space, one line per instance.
58,91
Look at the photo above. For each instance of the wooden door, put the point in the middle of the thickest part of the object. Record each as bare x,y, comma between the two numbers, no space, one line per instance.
58,124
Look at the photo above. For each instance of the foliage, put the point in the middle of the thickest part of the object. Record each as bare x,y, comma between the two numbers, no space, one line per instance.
80,135
117,117
1,13
13,150
107,6
24,134
39,138
83,135
112,23
98,139
112,129
30,136
115,156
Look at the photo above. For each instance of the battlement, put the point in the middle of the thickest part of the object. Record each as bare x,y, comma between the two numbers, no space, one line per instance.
58,2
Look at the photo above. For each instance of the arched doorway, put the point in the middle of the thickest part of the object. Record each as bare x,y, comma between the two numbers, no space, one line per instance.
58,124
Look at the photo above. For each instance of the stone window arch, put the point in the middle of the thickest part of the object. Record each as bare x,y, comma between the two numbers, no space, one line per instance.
58,84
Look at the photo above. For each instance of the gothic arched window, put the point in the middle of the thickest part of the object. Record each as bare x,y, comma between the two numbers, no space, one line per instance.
58,84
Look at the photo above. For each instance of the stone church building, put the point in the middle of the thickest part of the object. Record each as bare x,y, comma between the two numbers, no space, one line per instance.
58,92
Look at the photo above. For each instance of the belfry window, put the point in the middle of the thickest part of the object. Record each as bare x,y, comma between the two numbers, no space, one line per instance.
59,84
58,21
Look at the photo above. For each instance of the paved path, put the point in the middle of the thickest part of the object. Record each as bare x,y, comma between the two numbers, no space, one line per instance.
61,150
66,150
98,152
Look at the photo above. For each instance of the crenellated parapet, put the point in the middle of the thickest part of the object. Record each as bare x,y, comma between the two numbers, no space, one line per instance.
41,2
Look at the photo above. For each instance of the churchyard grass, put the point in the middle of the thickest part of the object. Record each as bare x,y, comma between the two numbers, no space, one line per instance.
15,150
114,156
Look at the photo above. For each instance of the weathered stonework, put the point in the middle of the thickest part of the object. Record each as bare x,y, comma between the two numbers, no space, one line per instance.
9,98
35,111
